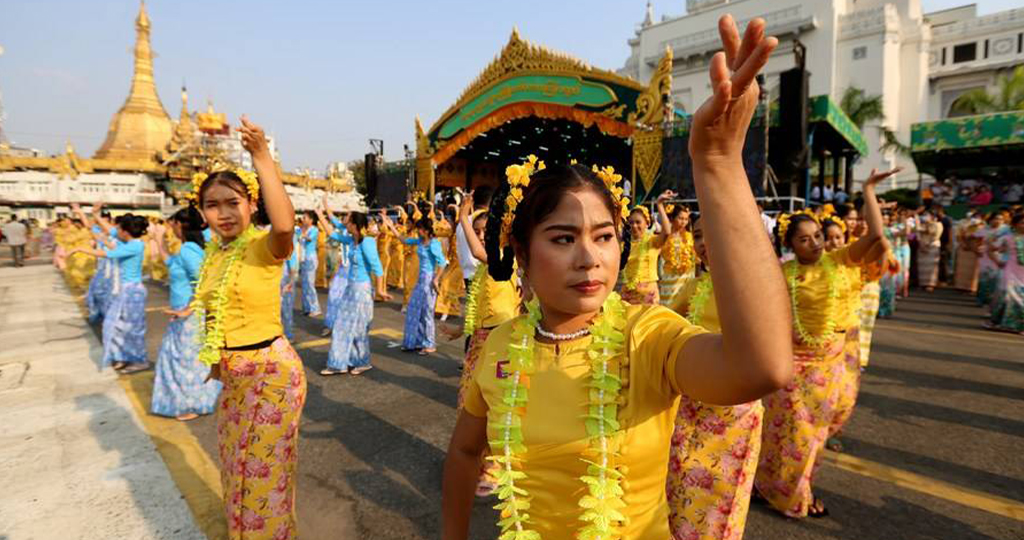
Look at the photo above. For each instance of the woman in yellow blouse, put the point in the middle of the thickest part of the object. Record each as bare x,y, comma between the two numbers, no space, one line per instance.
640,274
238,297
384,249
799,418
452,288
577,399
410,259
79,266
677,253
714,448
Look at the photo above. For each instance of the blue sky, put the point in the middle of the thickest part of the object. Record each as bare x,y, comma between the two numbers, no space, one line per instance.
322,76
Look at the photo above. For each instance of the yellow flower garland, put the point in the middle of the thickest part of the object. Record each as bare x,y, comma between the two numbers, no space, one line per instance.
476,288
638,250
211,335
832,276
249,178
679,254
695,313
601,505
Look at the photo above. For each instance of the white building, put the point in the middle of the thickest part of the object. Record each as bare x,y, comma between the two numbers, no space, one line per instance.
917,62
44,195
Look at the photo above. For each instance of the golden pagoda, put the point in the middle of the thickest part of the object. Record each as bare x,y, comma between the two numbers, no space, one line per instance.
141,128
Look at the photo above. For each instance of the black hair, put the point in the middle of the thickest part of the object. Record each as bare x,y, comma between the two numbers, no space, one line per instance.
679,209
540,199
191,225
829,222
1016,219
794,224
426,224
360,220
843,210
135,226
233,182
482,196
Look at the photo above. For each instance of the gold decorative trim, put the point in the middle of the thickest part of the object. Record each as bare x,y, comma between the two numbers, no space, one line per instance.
519,57
647,156
650,106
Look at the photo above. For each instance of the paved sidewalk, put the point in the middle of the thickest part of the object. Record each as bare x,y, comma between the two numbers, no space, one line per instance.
74,459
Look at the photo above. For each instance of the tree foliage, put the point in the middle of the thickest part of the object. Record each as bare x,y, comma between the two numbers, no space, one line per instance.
1009,96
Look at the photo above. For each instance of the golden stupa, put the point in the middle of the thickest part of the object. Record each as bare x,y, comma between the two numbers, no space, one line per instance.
142,127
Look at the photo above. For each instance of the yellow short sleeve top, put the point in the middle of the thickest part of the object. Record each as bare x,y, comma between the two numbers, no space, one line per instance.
708,314
253,313
642,266
813,289
554,433
677,253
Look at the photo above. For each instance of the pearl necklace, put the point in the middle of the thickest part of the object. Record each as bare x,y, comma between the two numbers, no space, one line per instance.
563,337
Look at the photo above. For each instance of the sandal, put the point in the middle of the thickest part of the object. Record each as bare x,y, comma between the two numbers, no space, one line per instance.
361,370
426,352
118,366
834,444
817,509
327,372
186,417
325,332
135,368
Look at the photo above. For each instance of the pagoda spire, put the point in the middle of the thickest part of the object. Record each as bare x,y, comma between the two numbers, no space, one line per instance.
141,127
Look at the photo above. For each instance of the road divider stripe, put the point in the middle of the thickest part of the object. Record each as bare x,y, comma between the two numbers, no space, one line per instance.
992,504
987,336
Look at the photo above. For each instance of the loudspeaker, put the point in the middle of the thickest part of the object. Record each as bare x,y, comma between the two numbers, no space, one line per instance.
789,152
370,169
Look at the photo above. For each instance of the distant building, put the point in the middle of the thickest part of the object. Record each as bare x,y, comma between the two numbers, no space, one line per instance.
918,62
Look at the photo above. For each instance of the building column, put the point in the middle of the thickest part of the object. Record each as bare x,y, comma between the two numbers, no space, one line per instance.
850,158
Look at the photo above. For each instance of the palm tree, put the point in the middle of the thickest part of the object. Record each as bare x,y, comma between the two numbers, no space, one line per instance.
860,107
863,108
1009,96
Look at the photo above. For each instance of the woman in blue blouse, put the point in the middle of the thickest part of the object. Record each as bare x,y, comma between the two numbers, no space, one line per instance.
419,317
309,237
180,388
289,275
350,336
341,274
124,324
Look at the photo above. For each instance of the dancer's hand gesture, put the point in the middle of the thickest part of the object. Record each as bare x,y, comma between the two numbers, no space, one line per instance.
253,139
876,177
720,124
666,195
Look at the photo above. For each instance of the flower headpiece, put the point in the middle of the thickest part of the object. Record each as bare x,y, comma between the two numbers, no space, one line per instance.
252,183
518,179
612,181
643,210
785,219
832,218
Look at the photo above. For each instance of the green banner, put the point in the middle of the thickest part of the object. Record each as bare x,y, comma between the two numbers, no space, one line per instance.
553,89
999,129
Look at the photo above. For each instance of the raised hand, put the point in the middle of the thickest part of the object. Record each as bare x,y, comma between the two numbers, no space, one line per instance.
876,177
720,124
666,195
253,139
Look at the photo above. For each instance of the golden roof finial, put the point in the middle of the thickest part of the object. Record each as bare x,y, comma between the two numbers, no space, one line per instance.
142,20
141,127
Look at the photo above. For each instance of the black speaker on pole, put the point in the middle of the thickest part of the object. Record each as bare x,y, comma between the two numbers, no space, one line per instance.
370,168
790,154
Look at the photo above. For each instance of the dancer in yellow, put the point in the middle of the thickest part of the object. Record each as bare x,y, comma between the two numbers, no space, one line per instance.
577,399
384,250
677,253
238,297
640,274
452,288
410,259
714,448
799,417
79,266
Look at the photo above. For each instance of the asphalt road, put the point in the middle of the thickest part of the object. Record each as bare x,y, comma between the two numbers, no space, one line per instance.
942,400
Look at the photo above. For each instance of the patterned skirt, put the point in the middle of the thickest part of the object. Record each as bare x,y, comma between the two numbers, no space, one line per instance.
849,383
409,277
287,306
1008,307
645,293
928,266
797,419
419,316
452,290
887,295
124,327
988,282
258,438
711,468
965,274
310,301
670,285
97,296
178,386
870,297
337,290
904,256
350,336
476,346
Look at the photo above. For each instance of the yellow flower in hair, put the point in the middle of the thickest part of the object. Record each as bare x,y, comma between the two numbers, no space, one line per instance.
248,178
